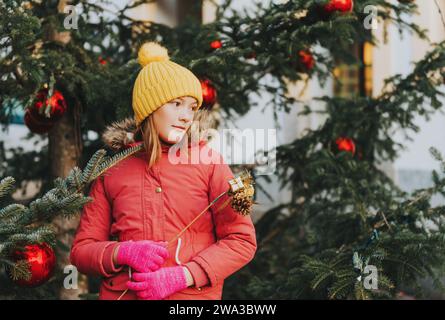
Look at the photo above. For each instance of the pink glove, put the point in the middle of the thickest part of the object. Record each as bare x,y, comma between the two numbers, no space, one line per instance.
159,284
142,256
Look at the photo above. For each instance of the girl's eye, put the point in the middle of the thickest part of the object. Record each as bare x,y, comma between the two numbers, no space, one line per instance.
177,103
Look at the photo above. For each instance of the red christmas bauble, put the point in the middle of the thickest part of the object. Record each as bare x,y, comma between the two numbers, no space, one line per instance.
208,94
35,117
307,59
216,44
37,124
56,103
41,260
339,5
102,61
345,144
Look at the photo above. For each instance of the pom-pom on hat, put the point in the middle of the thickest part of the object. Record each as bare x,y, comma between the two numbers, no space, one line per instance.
160,81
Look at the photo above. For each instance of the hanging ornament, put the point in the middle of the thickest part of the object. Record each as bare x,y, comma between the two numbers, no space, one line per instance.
41,261
242,191
208,94
306,59
216,44
102,61
53,107
37,124
339,6
345,144
44,112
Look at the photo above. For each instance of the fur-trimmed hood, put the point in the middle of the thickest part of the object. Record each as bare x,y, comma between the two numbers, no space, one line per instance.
120,134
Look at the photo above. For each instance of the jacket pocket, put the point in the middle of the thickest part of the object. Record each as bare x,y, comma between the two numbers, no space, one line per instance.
203,290
113,288
117,282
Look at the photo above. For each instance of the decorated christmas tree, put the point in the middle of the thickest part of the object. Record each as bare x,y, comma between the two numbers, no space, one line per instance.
344,212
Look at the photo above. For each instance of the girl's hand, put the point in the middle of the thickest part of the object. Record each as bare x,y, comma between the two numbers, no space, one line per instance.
159,284
142,256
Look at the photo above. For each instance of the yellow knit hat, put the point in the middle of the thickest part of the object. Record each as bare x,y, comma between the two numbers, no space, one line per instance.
160,81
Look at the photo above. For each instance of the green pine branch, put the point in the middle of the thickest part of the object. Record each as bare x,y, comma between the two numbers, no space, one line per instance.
21,225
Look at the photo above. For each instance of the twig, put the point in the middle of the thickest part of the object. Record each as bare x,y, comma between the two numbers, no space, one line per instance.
196,218
440,13
386,221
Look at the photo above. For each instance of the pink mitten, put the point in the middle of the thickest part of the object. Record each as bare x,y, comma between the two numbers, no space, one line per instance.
143,256
159,284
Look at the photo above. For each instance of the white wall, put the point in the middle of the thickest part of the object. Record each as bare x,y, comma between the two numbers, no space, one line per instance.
398,56
415,163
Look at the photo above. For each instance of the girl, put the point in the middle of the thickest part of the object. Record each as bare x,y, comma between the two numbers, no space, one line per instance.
147,199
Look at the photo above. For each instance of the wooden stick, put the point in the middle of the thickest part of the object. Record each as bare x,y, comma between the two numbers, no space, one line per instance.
123,293
196,218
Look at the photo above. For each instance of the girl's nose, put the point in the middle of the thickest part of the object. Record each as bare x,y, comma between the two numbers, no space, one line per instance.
186,117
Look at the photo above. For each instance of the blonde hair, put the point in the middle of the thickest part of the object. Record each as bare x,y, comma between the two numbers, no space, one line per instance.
147,133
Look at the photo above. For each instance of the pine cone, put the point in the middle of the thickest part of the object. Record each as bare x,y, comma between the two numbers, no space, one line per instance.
241,192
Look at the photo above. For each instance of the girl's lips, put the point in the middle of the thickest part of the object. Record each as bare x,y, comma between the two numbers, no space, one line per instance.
182,128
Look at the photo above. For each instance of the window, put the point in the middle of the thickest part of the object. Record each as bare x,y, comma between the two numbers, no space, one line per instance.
355,79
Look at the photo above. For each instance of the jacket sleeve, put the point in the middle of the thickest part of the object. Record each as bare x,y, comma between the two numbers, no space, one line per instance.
236,240
92,252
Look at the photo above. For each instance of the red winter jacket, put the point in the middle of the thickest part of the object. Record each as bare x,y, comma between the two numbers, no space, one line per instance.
132,202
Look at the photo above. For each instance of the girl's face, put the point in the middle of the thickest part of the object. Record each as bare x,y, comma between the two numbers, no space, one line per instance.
173,119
